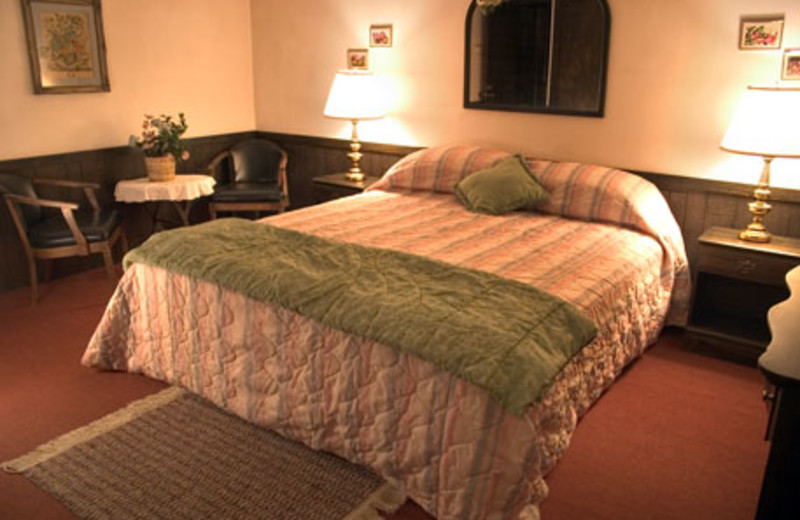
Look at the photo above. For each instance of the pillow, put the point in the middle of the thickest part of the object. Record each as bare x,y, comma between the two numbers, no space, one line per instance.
438,169
503,188
601,194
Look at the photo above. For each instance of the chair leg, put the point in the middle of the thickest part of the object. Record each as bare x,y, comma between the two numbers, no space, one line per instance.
34,280
108,261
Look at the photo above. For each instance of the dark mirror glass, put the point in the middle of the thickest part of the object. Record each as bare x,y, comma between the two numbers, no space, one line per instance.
537,56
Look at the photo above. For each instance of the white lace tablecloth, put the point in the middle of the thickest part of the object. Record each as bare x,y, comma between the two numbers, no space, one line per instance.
182,187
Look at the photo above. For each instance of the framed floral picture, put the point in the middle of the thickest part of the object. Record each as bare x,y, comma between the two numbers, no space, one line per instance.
760,32
66,46
358,59
380,35
790,69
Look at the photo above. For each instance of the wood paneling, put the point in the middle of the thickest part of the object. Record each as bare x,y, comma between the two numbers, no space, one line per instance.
105,167
697,203
311,157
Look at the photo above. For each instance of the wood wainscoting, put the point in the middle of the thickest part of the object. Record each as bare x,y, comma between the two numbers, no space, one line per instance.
311,157
105,167
697,204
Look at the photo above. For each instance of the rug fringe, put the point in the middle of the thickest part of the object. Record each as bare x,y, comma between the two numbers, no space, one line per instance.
90,431
387,498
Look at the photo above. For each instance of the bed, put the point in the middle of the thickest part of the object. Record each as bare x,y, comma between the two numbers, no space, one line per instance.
605,241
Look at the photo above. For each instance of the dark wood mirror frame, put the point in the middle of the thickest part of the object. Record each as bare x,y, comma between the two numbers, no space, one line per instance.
567,75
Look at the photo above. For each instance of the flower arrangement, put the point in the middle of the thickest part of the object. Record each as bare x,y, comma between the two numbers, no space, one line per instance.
488,6
161,136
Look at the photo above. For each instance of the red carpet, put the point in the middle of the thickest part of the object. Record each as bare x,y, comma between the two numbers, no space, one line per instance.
680,436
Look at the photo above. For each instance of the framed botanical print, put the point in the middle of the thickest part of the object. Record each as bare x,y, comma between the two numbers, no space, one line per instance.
760,32
790,68
66,46
358,59
380,35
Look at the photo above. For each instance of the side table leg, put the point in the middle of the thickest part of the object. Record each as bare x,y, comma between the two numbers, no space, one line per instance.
183,210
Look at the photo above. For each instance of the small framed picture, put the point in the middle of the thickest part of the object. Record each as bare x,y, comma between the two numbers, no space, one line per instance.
791,64
380,35
358,59
760,32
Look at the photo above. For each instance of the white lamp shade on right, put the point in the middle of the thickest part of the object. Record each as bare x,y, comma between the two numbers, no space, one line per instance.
766,123
355,95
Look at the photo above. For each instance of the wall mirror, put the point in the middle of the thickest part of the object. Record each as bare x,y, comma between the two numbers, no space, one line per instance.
537,56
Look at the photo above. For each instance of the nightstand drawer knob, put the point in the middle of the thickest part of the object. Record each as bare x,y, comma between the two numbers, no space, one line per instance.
745,266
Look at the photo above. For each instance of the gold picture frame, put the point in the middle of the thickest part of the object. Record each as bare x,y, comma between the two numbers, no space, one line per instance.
358,59
760,33
66,46
380,35
790,66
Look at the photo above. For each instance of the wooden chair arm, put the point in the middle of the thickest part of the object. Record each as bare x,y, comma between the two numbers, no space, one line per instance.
89,188
80,238
66,208
47,203
216,160
283,177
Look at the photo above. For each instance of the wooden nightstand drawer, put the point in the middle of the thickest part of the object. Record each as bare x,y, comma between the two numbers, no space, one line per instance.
747,265
336,185
735,284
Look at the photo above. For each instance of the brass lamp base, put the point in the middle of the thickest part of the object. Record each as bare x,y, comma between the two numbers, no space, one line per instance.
752,234
355,174
756,232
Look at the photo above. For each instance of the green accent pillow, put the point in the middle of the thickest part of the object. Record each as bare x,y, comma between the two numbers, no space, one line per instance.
508,186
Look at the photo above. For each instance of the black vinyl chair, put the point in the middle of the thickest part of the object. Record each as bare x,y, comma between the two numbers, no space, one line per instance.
251,176
52,229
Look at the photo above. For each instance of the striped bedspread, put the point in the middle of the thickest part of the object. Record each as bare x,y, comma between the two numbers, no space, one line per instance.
453,449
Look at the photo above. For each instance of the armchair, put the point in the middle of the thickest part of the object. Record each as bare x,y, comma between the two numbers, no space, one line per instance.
70,231
251,176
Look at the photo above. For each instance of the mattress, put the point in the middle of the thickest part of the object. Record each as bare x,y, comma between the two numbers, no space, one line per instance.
451,447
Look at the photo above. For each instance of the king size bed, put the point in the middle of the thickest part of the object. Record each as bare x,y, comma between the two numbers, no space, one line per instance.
605,242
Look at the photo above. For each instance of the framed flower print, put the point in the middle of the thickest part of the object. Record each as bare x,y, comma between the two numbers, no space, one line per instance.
66,46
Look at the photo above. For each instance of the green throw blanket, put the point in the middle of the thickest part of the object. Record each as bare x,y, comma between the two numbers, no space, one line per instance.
501,335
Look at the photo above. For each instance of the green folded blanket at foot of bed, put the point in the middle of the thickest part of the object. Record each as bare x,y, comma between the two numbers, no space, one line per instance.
502,335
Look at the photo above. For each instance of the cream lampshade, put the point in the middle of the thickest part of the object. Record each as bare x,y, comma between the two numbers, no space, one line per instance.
767,124
355,95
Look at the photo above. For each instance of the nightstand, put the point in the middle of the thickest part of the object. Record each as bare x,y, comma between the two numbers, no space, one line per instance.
336,185
736,282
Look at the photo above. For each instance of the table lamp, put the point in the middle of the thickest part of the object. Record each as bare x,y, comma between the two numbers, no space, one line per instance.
767,124
355,95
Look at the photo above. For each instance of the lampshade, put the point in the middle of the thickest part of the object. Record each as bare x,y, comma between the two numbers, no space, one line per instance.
766,123
355,95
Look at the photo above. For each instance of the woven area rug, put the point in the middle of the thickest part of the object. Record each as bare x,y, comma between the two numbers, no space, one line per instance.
175,456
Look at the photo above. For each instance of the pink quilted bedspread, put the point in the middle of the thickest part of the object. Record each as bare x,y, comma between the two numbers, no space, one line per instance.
453,449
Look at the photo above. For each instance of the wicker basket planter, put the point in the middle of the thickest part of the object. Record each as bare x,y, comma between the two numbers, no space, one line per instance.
160,169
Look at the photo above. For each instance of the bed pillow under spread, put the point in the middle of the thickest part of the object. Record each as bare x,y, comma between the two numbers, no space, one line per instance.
581,191
508,186
438,169
601,194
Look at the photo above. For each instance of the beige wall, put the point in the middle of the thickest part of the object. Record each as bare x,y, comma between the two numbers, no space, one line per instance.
675,75
168,56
